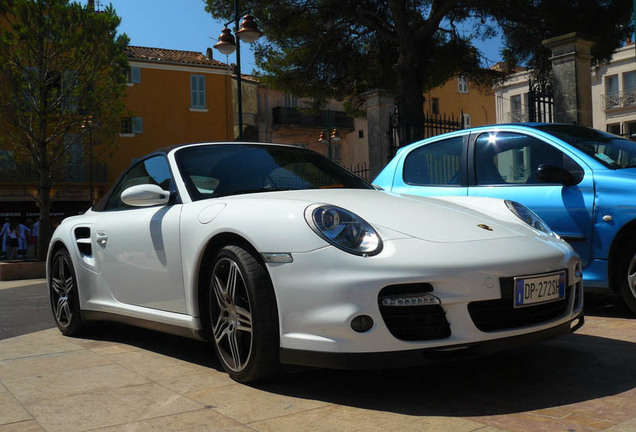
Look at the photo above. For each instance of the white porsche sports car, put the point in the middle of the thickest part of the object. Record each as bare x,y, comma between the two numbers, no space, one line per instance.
279,256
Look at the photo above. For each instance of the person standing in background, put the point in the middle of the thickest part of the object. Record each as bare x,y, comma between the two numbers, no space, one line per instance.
23,239
35,233
4,236
12,241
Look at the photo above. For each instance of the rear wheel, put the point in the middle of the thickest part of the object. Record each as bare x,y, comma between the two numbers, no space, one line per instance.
243,315
64,295
627,276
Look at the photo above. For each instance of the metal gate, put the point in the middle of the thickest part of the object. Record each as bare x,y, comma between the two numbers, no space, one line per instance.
541,100
402,135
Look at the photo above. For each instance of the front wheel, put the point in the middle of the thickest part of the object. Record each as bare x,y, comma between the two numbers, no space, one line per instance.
243,315
627,277
64,295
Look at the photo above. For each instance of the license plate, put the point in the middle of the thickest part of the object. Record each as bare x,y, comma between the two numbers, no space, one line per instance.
531,290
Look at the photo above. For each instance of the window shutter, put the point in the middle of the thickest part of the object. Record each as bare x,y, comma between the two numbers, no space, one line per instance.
135,74
193,90
137,125
197,91
202,91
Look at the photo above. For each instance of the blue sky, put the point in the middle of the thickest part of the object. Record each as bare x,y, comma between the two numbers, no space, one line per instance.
184,25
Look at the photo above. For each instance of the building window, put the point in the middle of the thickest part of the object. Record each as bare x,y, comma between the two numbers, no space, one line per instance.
629,88
435,106
611,91
466,120
133,75
631,131
360,134
197,91
614,128
516,109
290,101
335,152
131,126
462,84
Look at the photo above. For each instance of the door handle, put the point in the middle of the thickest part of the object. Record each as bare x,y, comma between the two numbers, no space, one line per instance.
101,238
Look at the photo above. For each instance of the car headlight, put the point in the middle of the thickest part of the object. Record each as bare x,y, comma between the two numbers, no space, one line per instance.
530,217
343,229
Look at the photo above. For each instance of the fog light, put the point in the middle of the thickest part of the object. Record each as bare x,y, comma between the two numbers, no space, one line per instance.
361,323
415,299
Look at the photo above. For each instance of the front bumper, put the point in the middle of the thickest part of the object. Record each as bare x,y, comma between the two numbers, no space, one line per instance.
321,292
418,357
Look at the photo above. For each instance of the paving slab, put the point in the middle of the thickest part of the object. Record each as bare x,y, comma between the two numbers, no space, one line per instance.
127,379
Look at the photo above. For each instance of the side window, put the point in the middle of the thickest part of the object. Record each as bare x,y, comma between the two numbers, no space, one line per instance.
511,158
438,163
150,171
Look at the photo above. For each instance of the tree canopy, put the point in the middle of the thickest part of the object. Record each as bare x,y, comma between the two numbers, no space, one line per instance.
342,48
608,23
60,78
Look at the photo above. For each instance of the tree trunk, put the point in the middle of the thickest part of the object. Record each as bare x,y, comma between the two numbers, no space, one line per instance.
410,100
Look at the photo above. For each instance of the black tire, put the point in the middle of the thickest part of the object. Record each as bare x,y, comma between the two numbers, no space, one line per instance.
64,295
243,316
627,277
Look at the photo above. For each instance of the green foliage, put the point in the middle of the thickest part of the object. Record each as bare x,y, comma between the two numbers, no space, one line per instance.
342,48
60,73
527,23
60,79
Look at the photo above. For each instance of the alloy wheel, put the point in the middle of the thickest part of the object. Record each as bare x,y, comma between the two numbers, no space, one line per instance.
232,315
62,282
631,276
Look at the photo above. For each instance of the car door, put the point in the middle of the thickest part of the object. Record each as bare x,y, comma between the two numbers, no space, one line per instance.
138,248
434,168
504,165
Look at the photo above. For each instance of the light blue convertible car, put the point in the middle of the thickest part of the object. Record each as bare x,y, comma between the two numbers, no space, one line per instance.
581,181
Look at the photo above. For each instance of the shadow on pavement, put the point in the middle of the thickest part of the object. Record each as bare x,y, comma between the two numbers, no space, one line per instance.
604,303
575,368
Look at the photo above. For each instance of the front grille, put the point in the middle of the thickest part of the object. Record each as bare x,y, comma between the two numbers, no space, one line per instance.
493,315
413,323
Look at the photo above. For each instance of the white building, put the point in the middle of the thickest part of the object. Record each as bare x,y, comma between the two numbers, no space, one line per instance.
511,98
613,95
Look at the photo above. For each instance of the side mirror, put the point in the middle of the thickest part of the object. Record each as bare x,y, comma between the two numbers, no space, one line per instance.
554,174
145,195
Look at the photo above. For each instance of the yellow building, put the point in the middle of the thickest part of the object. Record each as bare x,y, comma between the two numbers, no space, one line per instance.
459,96
173,97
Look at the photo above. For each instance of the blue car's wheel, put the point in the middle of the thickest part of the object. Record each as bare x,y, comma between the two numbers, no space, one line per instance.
627,275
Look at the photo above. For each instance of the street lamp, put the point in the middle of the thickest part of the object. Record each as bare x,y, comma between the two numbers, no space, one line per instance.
88,124
330,136
328,139
248,32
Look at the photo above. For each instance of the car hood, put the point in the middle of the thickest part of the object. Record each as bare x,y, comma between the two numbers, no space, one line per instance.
431,219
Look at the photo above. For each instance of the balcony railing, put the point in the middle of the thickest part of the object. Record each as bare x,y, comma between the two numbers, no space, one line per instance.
285,116
623,99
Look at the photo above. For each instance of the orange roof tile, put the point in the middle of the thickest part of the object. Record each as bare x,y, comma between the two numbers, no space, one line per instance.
163,55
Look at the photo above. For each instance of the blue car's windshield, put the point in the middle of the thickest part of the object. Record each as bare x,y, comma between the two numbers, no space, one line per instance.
612,151
231,169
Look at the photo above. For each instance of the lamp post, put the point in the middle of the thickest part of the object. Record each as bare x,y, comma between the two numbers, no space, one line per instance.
249,33
88,124
332,135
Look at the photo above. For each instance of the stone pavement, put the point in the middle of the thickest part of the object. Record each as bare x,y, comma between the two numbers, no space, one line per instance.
127,379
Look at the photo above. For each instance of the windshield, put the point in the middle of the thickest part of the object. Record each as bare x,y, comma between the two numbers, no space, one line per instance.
231,169
612,151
